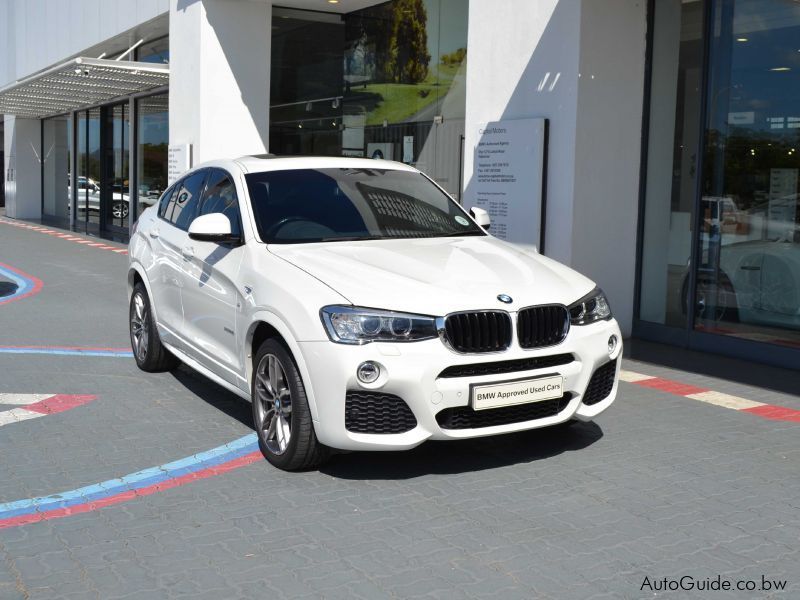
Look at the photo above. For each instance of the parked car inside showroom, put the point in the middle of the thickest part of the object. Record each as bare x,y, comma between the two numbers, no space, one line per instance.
89,197
359,307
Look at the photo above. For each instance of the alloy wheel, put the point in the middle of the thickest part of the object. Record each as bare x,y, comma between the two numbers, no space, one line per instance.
140,327
119,210
273,405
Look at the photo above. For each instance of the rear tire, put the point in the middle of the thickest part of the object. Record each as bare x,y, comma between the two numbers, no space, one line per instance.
149,352
281,416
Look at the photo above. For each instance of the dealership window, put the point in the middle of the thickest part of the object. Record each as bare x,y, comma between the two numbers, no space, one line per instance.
387,82
748,278
88,169
151,148
721,222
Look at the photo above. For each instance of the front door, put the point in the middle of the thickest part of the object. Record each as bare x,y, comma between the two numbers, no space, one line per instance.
211,298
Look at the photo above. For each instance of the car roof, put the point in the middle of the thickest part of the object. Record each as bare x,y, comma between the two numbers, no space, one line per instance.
269,162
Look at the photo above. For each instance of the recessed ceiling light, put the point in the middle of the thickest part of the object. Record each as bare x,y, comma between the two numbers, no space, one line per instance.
780,69
742,39
333,1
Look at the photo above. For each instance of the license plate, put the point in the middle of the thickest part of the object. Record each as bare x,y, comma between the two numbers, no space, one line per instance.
520,391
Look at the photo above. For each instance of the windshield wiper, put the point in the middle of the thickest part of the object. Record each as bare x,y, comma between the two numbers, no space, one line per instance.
464,233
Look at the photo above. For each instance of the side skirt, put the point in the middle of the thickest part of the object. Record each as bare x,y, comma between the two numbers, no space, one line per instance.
205,372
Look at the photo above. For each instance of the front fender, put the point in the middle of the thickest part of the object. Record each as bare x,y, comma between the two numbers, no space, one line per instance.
272,319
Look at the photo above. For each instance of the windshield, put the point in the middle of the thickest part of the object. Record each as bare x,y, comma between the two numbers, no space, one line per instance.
328,205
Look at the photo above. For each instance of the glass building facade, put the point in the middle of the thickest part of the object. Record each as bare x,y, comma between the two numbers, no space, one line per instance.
720,234
387,82
96,142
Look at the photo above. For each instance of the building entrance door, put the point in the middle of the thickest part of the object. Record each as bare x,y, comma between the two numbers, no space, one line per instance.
114,183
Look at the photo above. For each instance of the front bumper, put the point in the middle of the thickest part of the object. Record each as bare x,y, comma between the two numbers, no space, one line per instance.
411,371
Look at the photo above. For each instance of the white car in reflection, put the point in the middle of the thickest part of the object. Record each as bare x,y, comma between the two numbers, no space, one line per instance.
89,198
359,307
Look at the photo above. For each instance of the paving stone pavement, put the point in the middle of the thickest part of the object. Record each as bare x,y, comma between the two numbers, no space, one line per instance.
659,487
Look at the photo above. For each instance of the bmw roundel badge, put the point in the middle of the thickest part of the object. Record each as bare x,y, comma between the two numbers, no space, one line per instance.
505,298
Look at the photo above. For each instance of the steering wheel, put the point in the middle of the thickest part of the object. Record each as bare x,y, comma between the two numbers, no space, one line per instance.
317,229
282,223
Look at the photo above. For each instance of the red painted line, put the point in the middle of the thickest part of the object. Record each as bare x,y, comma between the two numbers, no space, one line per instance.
59,403
65,236
765,411
37,284
775,413
672,387
242,461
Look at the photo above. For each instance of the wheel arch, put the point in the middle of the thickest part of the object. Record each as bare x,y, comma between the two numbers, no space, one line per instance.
267,325
137,274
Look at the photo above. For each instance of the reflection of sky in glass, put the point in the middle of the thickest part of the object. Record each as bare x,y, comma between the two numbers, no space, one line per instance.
765,66
446,29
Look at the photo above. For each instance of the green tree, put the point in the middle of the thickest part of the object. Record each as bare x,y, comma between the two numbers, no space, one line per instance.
408,56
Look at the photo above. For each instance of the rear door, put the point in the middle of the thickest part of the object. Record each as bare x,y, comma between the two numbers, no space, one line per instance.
211,298
171,238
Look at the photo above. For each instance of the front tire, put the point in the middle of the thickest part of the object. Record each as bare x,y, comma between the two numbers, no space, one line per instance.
149,352
281,415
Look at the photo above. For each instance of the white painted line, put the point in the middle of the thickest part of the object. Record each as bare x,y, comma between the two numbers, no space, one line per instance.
725,400
633,377
23,399
15,415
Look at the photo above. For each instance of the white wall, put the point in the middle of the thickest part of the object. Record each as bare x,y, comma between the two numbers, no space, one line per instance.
608,148
45,32
596,50
513,45
219,81
22,141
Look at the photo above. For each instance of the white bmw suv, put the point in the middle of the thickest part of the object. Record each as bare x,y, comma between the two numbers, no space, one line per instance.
359,307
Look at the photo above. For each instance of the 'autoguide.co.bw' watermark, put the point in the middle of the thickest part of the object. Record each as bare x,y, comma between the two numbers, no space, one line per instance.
716,584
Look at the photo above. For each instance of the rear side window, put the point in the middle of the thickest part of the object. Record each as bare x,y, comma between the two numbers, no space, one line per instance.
185,200
220,197
164,203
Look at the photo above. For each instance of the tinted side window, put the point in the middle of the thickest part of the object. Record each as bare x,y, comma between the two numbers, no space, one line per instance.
186,199
220,197
164,202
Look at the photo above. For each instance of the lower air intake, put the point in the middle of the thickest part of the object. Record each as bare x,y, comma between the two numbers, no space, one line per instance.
376,412
601,383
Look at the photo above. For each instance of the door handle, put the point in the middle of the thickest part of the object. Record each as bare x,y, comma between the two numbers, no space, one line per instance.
188,252
153,233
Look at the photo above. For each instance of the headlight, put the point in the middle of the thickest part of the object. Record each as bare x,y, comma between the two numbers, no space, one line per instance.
354,325
589,309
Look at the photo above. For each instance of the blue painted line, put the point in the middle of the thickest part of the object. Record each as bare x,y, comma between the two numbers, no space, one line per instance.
133,481
63,352
24,285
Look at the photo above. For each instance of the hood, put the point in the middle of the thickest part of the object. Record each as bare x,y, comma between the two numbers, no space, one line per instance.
436,276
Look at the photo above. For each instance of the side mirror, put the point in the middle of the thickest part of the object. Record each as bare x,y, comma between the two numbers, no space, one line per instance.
214,227
481,217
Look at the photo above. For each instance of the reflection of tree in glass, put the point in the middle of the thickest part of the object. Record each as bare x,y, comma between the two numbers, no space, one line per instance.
408,42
